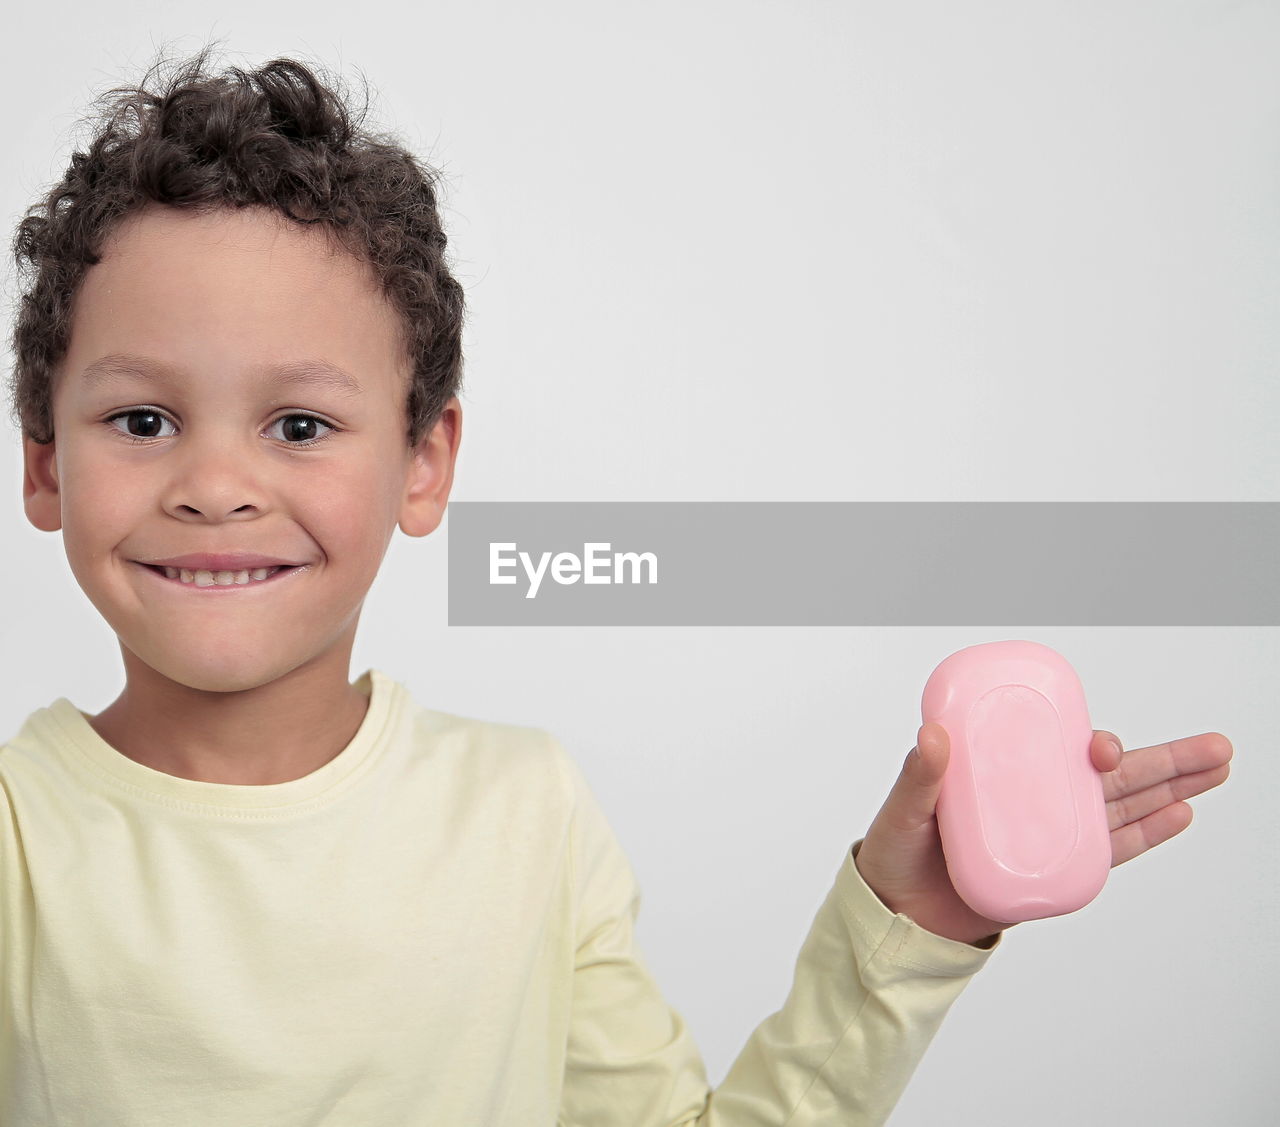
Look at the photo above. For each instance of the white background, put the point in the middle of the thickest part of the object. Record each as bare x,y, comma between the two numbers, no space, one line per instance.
816,251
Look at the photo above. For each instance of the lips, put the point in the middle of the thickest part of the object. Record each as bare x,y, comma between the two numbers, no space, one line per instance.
221,561
281,573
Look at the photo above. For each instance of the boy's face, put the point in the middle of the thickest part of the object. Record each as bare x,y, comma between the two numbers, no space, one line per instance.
218,462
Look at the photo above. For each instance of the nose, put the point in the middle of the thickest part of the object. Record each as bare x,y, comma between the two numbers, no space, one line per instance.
214,478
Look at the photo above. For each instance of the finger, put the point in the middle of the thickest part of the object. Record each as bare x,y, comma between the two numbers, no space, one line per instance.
1147,766
1106,750
1133,807
1139,836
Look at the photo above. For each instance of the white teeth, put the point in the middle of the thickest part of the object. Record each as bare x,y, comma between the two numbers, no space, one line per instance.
205,578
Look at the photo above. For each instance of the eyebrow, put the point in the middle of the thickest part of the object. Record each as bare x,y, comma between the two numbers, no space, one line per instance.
316,373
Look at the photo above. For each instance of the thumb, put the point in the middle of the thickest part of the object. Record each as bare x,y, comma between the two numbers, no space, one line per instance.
932,753
920,783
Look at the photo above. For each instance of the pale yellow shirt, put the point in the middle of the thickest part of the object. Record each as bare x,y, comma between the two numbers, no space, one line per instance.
434,929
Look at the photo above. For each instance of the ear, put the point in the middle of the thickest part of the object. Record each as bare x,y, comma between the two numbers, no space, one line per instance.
40,494
430,475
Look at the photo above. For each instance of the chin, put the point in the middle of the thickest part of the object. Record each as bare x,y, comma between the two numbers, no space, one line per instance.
210,673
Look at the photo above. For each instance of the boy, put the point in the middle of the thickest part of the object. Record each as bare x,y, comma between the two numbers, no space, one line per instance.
249,892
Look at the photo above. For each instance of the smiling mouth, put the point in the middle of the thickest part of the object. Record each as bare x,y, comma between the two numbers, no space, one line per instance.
203,580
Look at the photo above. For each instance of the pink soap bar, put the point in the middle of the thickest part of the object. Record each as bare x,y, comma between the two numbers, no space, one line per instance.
1021,813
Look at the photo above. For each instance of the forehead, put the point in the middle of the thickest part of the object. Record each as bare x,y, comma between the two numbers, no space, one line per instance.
246,290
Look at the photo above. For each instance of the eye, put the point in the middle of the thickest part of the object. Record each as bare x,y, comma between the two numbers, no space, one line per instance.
306,430
152,419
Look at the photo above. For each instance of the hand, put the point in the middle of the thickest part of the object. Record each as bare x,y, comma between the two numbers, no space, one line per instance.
901,858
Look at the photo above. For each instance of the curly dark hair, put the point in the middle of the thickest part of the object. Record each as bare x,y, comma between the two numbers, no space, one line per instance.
276,137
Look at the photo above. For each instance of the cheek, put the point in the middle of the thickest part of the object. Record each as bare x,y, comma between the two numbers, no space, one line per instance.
100,504
351,507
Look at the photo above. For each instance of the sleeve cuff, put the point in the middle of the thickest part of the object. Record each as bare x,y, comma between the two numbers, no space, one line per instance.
897,941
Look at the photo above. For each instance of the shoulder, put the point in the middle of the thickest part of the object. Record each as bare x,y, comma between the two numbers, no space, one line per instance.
518,755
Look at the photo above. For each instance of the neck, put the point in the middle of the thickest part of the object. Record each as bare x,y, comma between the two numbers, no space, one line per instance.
274,732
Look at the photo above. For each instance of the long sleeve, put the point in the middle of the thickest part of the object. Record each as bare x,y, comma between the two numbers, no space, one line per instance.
871,989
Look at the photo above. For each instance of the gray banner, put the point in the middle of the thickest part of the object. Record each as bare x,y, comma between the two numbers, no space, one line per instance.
864,563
